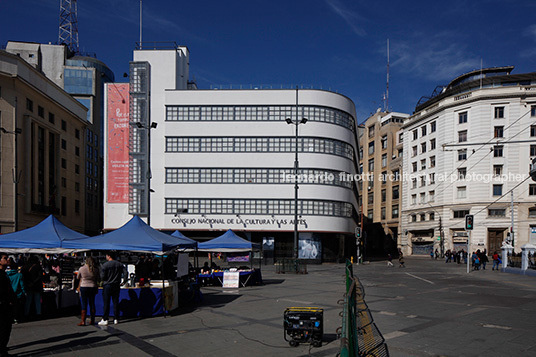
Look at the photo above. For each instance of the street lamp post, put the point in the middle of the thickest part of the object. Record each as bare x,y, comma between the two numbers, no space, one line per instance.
16,175
296,122
148,174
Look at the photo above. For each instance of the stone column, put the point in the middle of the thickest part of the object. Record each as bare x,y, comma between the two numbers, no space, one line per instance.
525,250
506,249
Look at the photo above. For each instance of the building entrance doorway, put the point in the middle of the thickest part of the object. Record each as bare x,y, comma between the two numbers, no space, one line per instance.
495,239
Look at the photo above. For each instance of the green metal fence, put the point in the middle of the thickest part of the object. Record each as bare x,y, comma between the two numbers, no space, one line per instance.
359,334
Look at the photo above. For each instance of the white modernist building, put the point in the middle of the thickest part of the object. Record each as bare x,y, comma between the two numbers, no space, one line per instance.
224,159
467,150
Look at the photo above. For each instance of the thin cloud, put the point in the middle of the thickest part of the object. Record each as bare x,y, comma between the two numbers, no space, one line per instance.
436,58
350,17
530,32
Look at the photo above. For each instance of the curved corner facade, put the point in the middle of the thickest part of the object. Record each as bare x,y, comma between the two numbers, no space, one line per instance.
224,159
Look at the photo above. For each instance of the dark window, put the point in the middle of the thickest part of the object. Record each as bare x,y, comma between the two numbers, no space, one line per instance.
40,111
462,136
77,206
415,134
460,213
432,126
497,190
63,206
462,117
498,132
499,112
461,173
532,190
29,105
51,118
395,192
63,163
533,150
533,130
496,212
76,169
533,110
63,125
462,155
498,151
77,133
77,151
63,144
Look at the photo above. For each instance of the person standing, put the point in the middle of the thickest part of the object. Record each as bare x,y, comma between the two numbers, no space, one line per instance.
400,259
112,272
389,261
17,285
89,278
33,281
7,302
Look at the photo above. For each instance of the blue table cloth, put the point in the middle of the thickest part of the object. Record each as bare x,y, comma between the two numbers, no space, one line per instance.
135,302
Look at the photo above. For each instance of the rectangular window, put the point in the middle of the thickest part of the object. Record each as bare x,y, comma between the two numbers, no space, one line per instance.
63,125
432,161
394,211
51,118
384,142
423,147
413,218
40,111
462,136
432,144
431,216
462,154
414,151
414,167
423,217
77,206
382,212
497,190
29,105
498,132
414,199
498,151
532,212
432,178
533,110
396,191
415,134
63,182
371,131
462,118
497,170
371,148
499,112
433,127
431,196
63,163
76,169
414,183
460,213
532,190
496,212
63,206
423,197
462,172
77,151
77,133
423,164
461,192
423,130
371,165
63,144
384,160
533,131
423,181
533,150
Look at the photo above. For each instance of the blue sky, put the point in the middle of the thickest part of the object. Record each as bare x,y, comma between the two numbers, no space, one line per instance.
329,44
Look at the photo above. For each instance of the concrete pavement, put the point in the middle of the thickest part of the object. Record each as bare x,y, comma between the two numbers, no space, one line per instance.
428,308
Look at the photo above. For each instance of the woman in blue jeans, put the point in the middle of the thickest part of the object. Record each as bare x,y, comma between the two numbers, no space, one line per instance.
89,277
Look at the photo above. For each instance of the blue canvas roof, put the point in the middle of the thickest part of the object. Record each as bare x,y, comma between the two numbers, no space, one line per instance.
186,240
135,236
228,242
47,236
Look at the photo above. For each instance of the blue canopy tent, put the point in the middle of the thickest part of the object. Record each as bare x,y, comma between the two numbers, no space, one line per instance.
181,236
47,237
134,236
228,242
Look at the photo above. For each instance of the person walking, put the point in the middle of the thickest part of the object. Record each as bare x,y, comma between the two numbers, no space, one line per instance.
112,272
33,281
7,302
401,259
495,258
389,261
89,277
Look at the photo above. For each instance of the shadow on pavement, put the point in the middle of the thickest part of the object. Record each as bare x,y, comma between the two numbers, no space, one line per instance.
75,342
272,281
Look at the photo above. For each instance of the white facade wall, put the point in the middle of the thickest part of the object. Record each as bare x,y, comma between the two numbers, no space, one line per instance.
479,106
167,90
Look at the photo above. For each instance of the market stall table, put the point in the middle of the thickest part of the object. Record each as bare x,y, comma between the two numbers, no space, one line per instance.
248,277
143,301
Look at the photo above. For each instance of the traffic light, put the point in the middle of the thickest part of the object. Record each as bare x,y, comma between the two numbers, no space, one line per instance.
358,232
468,222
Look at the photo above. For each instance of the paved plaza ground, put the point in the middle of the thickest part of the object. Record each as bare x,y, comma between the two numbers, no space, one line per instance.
428,308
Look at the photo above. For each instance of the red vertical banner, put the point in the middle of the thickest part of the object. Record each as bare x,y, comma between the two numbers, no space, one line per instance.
117,145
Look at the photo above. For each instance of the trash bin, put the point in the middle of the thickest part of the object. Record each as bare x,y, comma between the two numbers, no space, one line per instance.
304,325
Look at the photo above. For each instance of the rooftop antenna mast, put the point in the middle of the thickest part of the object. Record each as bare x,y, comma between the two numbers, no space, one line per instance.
387,91
140,21
68,29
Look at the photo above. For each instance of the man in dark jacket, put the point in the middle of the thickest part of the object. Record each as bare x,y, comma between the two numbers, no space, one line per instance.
7,301
112,273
